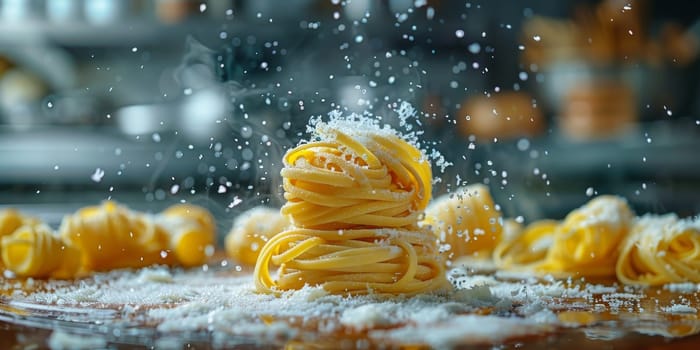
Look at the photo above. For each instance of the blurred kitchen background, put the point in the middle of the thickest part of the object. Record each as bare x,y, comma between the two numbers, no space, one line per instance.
153,102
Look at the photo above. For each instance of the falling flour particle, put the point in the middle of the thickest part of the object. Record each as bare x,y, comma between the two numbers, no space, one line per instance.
97,175
236,201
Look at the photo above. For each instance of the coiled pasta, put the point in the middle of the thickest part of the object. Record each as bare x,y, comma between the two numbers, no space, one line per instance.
110,236
36,251
588,240
356,261
526,248
251,230
467,222
354,179
659,250
11,219
585,243
191,232
354,197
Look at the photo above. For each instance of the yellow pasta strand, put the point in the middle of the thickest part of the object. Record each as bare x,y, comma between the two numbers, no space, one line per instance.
10,220
511,228
191,231
527,247
110,236
467,222
251,230
36,251
354,197
659,250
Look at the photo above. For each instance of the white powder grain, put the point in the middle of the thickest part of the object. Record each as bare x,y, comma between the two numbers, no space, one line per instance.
159,275
600,289
463,330
60,340
679,309
479,295
369,316
687,287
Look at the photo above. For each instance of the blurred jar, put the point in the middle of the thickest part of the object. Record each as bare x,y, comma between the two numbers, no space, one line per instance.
20,93
504,115
102,12
647,83
598,110
173,11
5,65
20,10
64,11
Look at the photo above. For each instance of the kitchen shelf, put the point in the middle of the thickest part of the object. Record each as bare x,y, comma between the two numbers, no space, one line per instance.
131,33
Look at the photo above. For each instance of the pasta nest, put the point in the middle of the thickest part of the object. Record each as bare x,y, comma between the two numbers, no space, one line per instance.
355,179
586,242
111,236
34,250
467,222
251,230
191,232
659,250
357,261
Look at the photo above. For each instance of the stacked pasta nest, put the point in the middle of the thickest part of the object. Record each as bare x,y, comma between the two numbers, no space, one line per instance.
354,197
